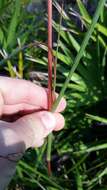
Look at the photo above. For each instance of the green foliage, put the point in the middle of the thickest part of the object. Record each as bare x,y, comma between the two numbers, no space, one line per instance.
79,151
88,82
13,24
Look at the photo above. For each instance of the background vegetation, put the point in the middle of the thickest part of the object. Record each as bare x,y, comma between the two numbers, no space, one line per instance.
79,157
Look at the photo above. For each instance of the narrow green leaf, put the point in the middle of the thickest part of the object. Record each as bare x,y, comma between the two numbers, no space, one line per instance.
13,24
97,118
83,10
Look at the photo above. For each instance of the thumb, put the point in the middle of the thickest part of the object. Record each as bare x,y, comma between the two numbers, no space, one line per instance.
33,128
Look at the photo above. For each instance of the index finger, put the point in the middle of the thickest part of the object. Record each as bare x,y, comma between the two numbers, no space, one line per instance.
18,91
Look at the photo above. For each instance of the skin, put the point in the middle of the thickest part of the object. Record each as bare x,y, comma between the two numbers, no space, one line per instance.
25,122
21,97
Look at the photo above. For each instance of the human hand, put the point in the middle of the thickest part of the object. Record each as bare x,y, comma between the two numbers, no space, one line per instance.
25,122
23,99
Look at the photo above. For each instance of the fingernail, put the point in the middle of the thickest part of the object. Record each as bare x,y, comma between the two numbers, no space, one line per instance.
48,120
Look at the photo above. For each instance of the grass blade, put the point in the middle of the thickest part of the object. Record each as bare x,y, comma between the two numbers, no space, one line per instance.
80,53
97,118
13,24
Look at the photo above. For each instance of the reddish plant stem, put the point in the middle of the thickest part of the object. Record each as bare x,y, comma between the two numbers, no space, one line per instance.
50,59
49,168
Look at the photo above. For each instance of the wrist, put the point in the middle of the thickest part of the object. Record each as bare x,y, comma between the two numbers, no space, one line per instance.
10,142
11,151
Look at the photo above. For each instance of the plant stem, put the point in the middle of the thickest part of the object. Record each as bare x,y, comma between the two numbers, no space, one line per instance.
57,49
50,54
50,59
20,62
76,62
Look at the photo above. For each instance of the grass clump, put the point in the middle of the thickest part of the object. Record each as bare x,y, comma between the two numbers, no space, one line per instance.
78,152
